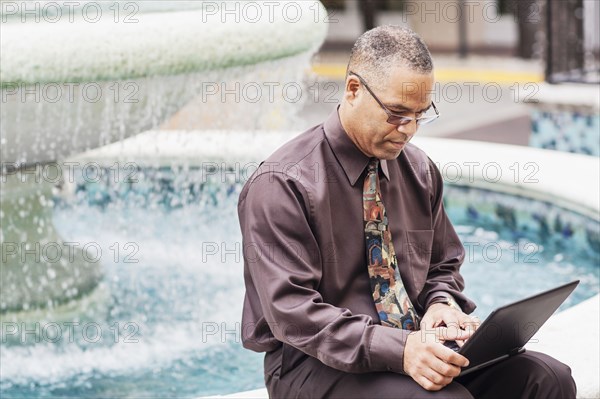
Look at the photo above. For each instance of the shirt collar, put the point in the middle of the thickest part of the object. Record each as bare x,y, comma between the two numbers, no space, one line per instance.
352,160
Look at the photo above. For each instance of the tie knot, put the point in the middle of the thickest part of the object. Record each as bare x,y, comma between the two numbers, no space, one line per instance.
373,164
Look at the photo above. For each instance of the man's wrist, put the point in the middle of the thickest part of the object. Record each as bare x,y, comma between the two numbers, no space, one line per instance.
446,300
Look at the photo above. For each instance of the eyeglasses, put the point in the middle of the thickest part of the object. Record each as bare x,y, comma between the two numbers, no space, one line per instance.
395,119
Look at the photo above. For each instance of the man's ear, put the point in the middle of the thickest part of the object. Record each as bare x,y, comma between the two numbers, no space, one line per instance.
351,89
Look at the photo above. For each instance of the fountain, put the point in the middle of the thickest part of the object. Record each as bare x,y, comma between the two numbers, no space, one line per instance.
152,186
104,76
78,76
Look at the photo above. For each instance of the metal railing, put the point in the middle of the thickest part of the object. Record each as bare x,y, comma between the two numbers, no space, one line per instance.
573,44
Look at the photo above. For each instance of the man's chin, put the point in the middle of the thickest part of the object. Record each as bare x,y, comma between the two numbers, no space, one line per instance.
390,155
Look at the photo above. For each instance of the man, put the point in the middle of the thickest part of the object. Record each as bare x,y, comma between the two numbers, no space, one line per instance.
351,264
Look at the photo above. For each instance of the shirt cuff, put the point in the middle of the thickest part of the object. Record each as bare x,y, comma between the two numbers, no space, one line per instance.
387,348
437,297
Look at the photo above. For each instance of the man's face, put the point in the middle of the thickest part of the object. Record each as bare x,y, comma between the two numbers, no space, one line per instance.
407,93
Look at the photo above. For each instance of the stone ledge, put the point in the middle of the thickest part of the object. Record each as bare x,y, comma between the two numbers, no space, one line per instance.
567,95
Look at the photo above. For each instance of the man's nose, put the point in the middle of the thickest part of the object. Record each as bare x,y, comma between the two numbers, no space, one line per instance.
406,137
409,129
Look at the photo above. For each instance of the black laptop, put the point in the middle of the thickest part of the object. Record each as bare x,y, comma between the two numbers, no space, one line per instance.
507,329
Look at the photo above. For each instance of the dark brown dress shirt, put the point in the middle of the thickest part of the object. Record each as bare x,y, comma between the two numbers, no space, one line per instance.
305,265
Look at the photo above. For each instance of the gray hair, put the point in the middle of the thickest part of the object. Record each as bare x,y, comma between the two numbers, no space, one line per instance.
378,50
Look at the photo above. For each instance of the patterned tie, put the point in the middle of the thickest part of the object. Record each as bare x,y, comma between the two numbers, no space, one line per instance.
391,300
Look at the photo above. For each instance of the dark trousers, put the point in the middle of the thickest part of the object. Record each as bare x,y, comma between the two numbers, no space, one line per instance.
289,373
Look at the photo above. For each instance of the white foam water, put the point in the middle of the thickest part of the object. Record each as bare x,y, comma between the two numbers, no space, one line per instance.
178,295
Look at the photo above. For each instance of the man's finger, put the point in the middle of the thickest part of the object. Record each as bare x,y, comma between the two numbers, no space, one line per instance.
437,378
445,369
472,322
451,357
428,384
453,333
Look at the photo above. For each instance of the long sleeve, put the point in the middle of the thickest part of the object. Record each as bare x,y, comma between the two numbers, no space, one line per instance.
283,271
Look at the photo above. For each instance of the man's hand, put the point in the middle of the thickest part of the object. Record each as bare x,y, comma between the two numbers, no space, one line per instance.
440,314
429,362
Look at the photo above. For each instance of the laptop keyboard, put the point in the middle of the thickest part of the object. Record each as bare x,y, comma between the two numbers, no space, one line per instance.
452,345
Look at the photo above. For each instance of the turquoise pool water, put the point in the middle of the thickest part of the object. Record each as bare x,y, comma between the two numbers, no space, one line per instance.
172,260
